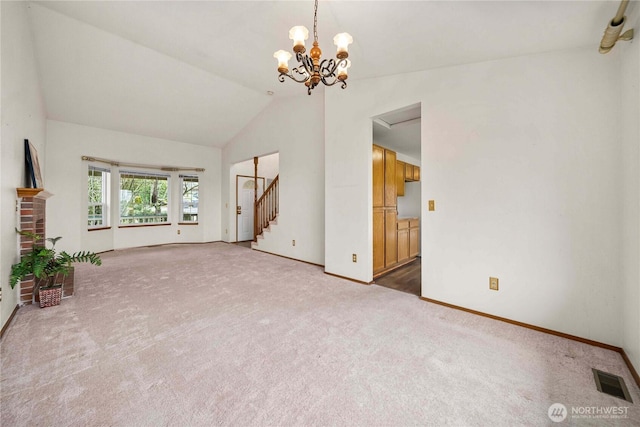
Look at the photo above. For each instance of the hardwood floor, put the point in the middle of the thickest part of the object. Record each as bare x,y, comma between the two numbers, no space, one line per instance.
406,278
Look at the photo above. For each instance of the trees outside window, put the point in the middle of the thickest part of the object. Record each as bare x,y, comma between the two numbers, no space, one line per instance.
144,198
189,203
98,192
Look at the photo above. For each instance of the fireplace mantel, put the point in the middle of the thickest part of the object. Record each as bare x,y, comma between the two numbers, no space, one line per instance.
40,193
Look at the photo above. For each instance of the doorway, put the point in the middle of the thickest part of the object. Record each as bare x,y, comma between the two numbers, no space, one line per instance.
397,199
245,189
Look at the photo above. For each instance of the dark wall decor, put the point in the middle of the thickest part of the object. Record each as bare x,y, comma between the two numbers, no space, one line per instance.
32,163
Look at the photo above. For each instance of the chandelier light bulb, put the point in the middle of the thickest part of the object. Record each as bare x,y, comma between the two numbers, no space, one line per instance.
342,41
298,34
283,58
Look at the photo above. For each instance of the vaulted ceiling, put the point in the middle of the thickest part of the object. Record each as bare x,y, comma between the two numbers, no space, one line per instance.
199,71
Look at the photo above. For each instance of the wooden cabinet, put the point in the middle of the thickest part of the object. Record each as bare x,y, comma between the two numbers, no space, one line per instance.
390,238
400,178
378,239
385,197
378,176
394,242
411,172
403,240
408,172
408,238
414,237
390,192
416,173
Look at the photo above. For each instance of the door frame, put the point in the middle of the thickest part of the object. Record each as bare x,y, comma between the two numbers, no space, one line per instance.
237,199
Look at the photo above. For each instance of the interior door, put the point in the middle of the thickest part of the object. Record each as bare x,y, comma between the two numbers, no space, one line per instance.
244,208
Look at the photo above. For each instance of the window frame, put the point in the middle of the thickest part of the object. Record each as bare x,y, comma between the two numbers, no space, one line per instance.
132,173
191,178
105,195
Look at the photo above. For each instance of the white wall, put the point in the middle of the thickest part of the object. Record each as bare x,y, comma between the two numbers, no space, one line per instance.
630,104
22,118
67,180
293,127
522,157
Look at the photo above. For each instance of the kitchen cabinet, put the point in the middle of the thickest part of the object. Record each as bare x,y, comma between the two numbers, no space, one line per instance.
400,178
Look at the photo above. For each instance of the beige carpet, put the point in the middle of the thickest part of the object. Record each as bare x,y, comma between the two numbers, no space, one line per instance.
217,334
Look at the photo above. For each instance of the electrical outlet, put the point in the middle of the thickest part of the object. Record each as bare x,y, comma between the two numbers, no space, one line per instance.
432,205
293,242
178,231
493,283
354,257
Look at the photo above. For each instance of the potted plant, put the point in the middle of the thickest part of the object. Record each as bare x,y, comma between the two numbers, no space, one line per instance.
48,267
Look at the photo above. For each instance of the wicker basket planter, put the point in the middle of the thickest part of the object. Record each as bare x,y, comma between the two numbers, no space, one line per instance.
50,296
48,269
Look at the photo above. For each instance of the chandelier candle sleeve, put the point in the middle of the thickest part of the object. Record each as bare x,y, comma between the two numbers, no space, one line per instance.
342,40
298,34
283,58
343,67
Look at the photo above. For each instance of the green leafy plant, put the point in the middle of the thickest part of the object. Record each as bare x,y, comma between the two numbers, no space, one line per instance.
45,263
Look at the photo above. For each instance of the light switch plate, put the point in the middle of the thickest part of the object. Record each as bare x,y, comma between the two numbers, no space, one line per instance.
432,205
493,283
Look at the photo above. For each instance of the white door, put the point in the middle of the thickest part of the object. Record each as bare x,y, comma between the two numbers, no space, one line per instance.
244,209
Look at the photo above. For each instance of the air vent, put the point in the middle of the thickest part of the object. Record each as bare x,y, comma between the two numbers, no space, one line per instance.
611,384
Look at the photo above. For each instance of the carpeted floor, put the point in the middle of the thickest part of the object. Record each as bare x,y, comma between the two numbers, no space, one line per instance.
216,334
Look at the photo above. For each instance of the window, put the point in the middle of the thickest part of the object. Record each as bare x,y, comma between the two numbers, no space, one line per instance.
189,204
98,187
144,198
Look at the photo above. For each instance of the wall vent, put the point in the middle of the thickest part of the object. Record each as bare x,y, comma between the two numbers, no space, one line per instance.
611,384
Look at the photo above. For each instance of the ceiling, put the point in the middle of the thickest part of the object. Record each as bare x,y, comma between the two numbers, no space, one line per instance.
399,131
199,71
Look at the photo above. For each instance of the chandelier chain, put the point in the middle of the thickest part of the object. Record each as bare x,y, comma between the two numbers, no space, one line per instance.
315,22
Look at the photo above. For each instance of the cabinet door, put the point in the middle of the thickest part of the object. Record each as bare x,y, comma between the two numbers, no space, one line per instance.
408,172
416,173
378,176
378,239
400,178
391,237
390,193
414,242
403,245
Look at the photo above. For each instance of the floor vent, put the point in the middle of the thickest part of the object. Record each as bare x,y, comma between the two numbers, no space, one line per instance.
611,384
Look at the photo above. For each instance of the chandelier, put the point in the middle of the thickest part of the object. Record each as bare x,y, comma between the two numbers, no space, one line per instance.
311,71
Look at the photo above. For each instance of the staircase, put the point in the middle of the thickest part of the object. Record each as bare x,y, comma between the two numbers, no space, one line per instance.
266,231
266,211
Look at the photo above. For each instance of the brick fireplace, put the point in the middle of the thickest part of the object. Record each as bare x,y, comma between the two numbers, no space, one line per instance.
33,218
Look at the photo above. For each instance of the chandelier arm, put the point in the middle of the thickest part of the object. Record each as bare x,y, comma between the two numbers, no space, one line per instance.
292,77
306,62
328,66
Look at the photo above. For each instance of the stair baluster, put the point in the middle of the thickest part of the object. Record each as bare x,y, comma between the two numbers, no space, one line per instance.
266,208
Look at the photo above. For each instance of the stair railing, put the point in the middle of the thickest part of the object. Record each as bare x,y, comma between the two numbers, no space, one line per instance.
266,208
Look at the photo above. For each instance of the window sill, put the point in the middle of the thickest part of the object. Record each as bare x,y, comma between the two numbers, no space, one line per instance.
143,225
98,228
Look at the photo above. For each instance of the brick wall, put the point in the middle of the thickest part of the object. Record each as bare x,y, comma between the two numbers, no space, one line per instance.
33,218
